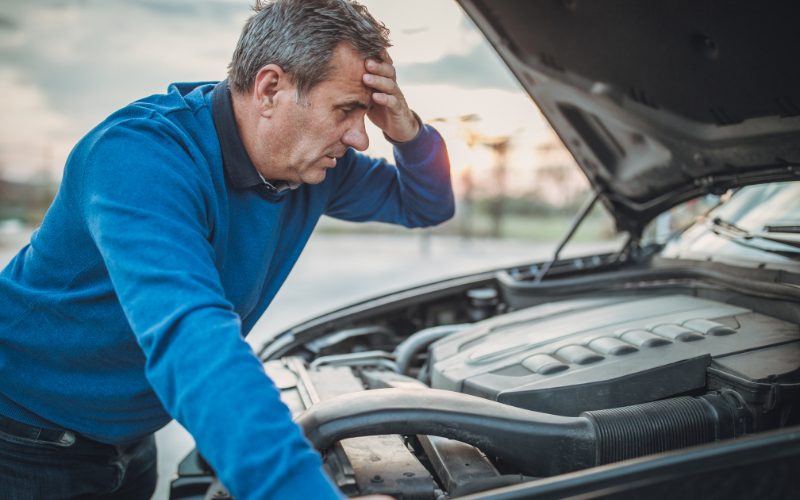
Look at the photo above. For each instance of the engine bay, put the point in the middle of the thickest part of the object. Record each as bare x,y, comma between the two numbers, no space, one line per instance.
519,396
642,370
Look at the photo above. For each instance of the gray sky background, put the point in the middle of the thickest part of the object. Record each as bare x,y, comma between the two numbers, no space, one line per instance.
67,64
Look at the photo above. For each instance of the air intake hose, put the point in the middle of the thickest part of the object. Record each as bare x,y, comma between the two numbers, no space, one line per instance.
539,444
671,424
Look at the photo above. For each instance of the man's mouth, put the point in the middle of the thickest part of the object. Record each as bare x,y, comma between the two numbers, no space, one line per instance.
333,158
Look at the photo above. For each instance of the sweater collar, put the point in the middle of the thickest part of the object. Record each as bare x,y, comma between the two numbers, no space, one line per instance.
236,162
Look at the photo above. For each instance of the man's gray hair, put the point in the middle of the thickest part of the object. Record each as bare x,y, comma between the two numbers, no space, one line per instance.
300,37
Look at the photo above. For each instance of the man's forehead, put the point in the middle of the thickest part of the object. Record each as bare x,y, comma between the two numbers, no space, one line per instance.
362,99
346,80
348,62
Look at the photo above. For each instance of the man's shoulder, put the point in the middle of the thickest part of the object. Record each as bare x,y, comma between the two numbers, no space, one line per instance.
184,105
181,115
172,131
180,97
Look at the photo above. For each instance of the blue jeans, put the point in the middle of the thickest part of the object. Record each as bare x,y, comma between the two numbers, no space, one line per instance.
43,464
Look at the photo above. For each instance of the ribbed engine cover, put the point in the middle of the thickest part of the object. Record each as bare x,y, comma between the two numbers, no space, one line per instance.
593,354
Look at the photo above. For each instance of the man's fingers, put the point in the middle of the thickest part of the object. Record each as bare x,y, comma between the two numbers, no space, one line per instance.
382,84
387,100
381,68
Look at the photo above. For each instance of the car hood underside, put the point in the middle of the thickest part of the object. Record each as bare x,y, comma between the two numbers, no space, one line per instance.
658,102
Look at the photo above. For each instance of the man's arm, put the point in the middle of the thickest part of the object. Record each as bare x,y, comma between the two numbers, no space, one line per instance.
418,191
415,193
149,209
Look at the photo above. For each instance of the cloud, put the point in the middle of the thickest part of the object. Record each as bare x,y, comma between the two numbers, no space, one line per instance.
7,24
67,64
425,30
85,59
481,68
90,58
220,10
28,130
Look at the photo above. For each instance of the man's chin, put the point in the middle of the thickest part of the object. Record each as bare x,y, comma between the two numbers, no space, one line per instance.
314,176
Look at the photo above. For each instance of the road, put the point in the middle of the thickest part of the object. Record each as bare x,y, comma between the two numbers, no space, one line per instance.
338,269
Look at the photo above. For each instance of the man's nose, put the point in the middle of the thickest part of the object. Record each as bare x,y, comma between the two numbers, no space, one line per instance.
356,136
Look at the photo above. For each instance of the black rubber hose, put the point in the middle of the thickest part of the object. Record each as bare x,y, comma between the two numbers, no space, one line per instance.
671,424
538,443
407,350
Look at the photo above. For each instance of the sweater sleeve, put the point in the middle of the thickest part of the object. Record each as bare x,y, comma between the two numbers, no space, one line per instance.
415,193
148,207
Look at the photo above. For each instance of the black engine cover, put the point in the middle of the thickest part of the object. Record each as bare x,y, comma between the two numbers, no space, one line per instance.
592,354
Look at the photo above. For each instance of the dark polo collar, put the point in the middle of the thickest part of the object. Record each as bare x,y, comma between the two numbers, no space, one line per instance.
236,162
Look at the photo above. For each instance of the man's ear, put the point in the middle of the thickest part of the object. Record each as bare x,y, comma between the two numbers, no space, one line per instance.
270,81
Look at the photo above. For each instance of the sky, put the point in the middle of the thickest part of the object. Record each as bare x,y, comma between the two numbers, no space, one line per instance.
67,64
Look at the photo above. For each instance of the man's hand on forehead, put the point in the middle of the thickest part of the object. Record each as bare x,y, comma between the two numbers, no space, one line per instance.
389,111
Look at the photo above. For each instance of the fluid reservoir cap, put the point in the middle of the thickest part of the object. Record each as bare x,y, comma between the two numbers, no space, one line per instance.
612,346
708,327
643,338
578,355
543,364
482,297
677,332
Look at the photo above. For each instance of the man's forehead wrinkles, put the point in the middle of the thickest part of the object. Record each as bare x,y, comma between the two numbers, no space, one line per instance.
361,99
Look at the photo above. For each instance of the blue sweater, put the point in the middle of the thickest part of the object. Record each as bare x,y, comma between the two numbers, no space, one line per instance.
130,305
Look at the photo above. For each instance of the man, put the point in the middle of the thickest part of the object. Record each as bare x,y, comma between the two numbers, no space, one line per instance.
177,221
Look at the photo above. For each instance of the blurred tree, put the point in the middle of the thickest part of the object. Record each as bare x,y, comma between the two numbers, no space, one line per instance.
500,147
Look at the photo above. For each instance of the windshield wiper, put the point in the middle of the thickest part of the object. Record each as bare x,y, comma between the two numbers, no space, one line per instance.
729,226
782,229
745,238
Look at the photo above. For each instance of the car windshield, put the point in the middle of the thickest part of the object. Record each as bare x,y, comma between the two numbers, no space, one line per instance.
758,224
763,208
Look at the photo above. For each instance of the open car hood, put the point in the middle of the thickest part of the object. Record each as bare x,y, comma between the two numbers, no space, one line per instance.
659,102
